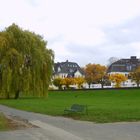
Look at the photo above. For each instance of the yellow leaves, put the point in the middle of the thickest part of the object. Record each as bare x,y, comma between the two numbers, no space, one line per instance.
68,81
94,72
136,76
79,81
117,79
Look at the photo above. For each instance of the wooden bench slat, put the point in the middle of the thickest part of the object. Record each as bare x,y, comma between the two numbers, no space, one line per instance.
77,108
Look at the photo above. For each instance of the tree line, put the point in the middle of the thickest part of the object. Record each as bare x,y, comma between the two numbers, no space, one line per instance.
97,74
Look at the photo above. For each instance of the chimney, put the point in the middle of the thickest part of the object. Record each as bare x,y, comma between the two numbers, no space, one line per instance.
133,57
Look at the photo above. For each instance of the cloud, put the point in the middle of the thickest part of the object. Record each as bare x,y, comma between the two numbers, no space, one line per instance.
79,30
24,13
121,41
126,33
33,3
136,47
94,30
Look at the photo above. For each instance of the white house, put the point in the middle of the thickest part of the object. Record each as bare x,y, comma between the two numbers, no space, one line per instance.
124,66
67,69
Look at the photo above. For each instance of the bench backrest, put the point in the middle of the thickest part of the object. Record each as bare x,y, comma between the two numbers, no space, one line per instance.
78,107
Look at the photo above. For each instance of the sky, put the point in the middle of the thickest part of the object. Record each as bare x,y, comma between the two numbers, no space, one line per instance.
82,31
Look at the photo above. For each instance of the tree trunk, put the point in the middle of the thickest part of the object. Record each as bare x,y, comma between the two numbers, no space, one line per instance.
102,85
89,85
17,94
7,96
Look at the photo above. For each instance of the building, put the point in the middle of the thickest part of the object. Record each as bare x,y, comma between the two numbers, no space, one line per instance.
67,69
125,66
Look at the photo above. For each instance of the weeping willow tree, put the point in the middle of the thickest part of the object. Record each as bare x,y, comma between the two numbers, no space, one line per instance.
25,63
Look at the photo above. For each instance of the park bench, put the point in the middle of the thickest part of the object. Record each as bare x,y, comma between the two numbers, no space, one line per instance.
77,108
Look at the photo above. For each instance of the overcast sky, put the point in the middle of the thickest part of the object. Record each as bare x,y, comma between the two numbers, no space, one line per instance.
83,31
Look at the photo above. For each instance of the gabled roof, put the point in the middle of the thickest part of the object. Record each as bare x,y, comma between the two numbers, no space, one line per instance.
124,65
67,67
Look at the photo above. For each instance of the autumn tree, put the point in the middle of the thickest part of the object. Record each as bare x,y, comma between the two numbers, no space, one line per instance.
58,82
104,80
94,73
79,81
135,76
67,81
117,79
25,63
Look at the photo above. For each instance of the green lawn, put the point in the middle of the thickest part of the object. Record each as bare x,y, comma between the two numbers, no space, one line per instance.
3,123
103,105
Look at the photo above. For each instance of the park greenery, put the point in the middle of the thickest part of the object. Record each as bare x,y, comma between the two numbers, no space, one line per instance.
135,76
95,73
103,105
59,82
25,63
3,123
26,68
117,79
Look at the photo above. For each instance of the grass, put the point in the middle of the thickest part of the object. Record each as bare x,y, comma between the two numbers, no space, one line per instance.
3,123
103,105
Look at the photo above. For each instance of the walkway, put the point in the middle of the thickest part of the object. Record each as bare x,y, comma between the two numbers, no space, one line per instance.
59,128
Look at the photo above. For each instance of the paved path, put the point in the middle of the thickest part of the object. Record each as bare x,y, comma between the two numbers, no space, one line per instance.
59,128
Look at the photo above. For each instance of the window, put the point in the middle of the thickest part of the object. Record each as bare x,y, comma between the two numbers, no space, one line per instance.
129,68
71,70
59,69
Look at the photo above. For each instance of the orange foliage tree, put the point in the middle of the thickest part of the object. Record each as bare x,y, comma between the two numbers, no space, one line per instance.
79,81
67,82
95,73
117,79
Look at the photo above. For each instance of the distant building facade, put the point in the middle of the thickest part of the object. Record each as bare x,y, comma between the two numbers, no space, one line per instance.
67,69
125,66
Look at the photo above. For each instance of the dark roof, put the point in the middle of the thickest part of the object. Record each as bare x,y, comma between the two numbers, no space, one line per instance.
67,67
125,65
